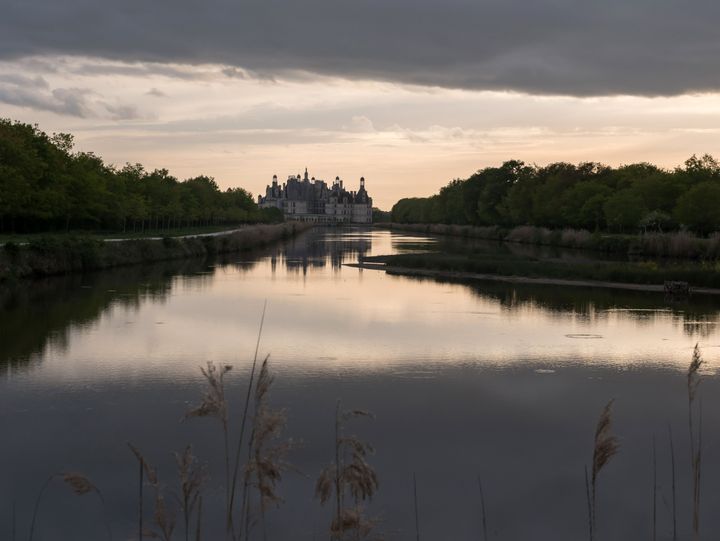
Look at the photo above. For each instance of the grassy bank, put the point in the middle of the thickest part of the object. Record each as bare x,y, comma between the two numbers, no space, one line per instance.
706,274
63,254
100,235
681,245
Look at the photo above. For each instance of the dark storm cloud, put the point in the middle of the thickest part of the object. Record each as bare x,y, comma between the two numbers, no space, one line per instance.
644,47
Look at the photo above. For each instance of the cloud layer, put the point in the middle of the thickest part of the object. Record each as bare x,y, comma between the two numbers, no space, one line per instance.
569,47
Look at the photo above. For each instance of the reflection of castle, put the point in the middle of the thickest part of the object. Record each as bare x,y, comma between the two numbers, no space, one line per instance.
310,200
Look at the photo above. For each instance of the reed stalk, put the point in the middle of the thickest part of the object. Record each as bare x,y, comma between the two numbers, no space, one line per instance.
674,492
214,404
482,510
80,485
198,527
36,508
238,449
589,505
351,474
606,446
654,491
693,382
417,519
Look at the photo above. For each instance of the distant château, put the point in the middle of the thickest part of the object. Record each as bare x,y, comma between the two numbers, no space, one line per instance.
311,200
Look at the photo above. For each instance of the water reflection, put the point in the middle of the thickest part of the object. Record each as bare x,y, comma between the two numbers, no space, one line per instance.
499,380
374,318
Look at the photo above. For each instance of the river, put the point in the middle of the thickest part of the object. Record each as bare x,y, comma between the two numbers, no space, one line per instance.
498,382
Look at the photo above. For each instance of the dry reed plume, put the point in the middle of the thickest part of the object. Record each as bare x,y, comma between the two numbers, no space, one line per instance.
349,474
80,485
164,517
213,404
192,475
693,382
605,447
267,463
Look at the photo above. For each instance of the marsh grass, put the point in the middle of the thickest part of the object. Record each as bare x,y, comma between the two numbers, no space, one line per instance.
695,430
673,486
483,513
415,507
243,423
654,490
192,476
213,404
80,485
605,447
267,453
349,475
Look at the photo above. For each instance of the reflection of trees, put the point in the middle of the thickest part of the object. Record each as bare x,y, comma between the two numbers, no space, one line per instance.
38,314
698,315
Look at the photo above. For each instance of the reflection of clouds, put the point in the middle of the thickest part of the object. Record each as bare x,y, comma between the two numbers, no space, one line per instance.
74,304
367,322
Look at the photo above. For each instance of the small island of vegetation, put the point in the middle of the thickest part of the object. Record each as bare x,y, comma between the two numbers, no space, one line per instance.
659,225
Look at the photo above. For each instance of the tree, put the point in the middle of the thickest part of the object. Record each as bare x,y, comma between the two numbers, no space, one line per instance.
623,210
699,208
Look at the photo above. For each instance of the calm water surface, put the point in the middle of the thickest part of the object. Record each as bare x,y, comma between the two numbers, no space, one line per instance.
486,380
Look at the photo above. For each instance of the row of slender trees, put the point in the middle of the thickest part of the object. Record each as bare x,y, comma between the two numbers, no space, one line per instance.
589,196
45,186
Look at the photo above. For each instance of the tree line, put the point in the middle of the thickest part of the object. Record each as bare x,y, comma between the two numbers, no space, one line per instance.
45,186
593,196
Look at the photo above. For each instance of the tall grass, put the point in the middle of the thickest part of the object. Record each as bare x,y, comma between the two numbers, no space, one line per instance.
349,475
243,421
80,485
267,461
693,382
605,447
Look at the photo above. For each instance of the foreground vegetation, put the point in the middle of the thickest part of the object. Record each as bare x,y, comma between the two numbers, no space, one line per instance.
51,255
592,196
45,186
254,467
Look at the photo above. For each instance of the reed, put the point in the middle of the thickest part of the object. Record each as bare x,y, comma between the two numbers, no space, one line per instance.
654,491
243,422
192,475
214,404
605,447
483,513
673,476
80,485
141,470
349,474
693,382
415,500
267,461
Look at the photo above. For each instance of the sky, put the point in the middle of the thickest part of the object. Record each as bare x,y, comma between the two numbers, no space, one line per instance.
409,94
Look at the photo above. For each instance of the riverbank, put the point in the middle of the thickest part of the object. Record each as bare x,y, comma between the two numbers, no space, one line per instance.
62,255
457,275
678,245
501,266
